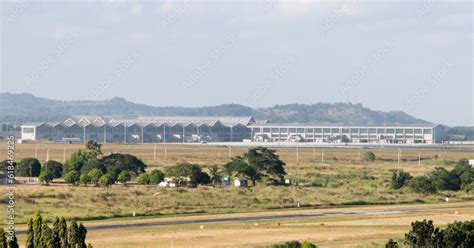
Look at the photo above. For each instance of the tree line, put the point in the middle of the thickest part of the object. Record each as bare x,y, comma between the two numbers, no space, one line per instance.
461,177
89,166
424,234
40,235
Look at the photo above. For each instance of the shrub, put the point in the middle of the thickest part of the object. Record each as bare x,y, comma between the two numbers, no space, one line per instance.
106,180
95,175
85,179
391,244
156,176
28,167
307,244
368,156
445,180
45,177
72,177
288,244
422,184
144,178
54,168
400,179
124,177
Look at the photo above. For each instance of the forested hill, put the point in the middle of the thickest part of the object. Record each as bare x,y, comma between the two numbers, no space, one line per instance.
29,108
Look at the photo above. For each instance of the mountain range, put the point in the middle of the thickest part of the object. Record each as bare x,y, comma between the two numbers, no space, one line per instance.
29,108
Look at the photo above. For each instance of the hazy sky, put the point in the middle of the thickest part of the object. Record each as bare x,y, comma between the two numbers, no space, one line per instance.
410,56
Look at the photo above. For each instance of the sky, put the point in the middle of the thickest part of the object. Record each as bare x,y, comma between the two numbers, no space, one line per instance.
412,56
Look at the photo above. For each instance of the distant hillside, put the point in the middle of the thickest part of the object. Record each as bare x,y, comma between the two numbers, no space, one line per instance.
28,108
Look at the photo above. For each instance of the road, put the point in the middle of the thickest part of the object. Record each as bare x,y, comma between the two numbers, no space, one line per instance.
265,217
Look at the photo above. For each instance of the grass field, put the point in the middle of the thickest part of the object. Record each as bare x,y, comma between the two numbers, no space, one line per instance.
341,180
331,231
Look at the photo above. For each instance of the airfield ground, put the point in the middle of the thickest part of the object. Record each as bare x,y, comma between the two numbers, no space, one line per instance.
328,179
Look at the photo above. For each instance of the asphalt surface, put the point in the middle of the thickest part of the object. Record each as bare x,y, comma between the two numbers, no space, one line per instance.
267,217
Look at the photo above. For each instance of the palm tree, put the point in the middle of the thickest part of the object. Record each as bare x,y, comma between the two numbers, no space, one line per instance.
216,174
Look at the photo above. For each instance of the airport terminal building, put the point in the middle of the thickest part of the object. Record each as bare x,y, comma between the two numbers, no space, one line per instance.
196,129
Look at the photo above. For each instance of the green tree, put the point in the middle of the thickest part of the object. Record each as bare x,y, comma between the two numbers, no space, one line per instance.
28,167
45,177
30,235
266,163
56,232
82,232
74,236
12,242
422,184
400,179
63,232
54,168
368,156
424,234
124,177
124,162
144,178
85,179
94,147
94,175
79,159
239,167
106,180
3,238
156,176
46,235
184,171
37,230
460,234
72,177
216,174
445,180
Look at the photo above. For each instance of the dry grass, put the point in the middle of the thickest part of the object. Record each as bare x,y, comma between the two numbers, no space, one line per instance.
334,231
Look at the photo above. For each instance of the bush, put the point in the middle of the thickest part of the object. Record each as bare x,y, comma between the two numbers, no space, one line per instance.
445,180
95,175
45,177
124,177
295,244
72,177
107,180
28,167
368,156
54,168
391,244
156,177
422,184
400,179
144,178
85,179
288,244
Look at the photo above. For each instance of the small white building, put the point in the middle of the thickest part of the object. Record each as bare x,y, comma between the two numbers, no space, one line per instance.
471,162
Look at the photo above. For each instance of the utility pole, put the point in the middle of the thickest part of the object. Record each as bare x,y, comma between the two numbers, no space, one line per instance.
297,153
64,154
419,158
322,156
154,153
399,152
